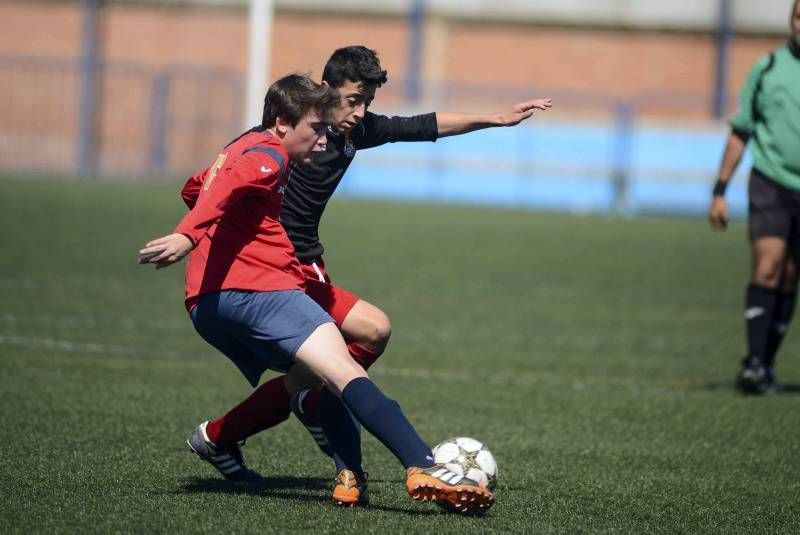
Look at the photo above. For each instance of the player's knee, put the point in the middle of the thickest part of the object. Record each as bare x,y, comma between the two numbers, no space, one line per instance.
379,329
383,330
767,274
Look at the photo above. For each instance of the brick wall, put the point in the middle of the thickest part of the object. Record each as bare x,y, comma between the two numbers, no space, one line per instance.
616,63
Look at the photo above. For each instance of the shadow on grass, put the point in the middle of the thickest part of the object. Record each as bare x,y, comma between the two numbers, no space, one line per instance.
266,484
304,489
786,388
791,388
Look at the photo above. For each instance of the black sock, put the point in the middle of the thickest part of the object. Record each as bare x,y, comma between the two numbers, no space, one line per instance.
758,313
784,309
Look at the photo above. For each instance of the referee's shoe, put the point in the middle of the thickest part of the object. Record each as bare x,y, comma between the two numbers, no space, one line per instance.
752,378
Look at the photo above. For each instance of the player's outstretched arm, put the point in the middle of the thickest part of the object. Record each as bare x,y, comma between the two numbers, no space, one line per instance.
718,210
453,124
165,251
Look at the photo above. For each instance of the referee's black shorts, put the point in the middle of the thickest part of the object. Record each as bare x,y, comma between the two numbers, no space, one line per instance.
773,210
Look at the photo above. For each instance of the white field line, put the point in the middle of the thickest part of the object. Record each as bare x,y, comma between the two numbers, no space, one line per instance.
86,321
500,377
99,348
84,347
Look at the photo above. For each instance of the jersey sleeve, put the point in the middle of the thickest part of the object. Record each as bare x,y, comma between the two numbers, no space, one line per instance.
191,190
743,120
375,130
251,172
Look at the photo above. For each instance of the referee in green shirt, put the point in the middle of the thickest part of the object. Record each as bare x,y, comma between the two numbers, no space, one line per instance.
769,114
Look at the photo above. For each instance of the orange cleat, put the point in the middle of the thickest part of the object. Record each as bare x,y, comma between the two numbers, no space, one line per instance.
349,491
448,489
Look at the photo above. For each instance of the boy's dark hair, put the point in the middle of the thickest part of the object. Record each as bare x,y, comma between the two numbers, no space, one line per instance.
357,64
293,96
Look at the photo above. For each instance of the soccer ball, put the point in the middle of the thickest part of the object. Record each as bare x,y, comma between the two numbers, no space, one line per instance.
467,457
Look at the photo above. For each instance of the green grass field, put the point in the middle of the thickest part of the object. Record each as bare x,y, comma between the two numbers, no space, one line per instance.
595,356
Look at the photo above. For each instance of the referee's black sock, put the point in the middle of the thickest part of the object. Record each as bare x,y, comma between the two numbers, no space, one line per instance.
784,309
758,313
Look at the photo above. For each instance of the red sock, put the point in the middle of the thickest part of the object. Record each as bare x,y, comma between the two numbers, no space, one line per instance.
266,407
363,355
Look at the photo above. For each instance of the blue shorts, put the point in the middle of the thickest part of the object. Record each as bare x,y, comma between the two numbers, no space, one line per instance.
258,330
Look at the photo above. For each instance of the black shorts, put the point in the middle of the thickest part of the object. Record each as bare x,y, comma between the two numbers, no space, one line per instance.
773,210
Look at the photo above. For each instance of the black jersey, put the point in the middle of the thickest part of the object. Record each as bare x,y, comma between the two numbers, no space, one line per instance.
311,185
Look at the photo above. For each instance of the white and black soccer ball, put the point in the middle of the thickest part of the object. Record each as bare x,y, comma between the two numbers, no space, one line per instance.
468,457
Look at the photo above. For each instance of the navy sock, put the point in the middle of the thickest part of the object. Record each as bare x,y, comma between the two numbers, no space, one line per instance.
342,431
385,420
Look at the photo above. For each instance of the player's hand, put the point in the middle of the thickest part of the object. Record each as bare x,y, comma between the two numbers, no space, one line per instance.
165,251
523,110
718,213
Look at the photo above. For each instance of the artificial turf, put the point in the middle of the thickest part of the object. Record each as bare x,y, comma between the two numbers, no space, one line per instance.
594,355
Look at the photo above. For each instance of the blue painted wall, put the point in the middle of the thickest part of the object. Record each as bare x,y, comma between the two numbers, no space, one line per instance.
556,166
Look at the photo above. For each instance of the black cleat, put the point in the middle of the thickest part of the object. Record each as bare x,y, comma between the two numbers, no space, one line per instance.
752,378
773,386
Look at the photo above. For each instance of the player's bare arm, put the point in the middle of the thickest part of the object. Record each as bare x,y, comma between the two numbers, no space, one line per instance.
718,213
453,124
166,250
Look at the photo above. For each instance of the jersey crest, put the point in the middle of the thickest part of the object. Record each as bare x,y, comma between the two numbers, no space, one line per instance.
349,147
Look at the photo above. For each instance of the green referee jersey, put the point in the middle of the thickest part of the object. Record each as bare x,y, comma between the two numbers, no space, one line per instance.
769,113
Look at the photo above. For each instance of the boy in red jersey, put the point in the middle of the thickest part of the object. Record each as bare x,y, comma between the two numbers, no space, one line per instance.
356,72
245,295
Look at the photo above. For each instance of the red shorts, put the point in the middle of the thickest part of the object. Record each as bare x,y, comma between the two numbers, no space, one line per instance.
336,301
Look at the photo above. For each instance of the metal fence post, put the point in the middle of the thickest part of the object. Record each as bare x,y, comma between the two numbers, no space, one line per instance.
87,106
724,36
621,164
159,123
416,22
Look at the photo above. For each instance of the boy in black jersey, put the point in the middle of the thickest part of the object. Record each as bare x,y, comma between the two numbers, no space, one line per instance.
356,72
